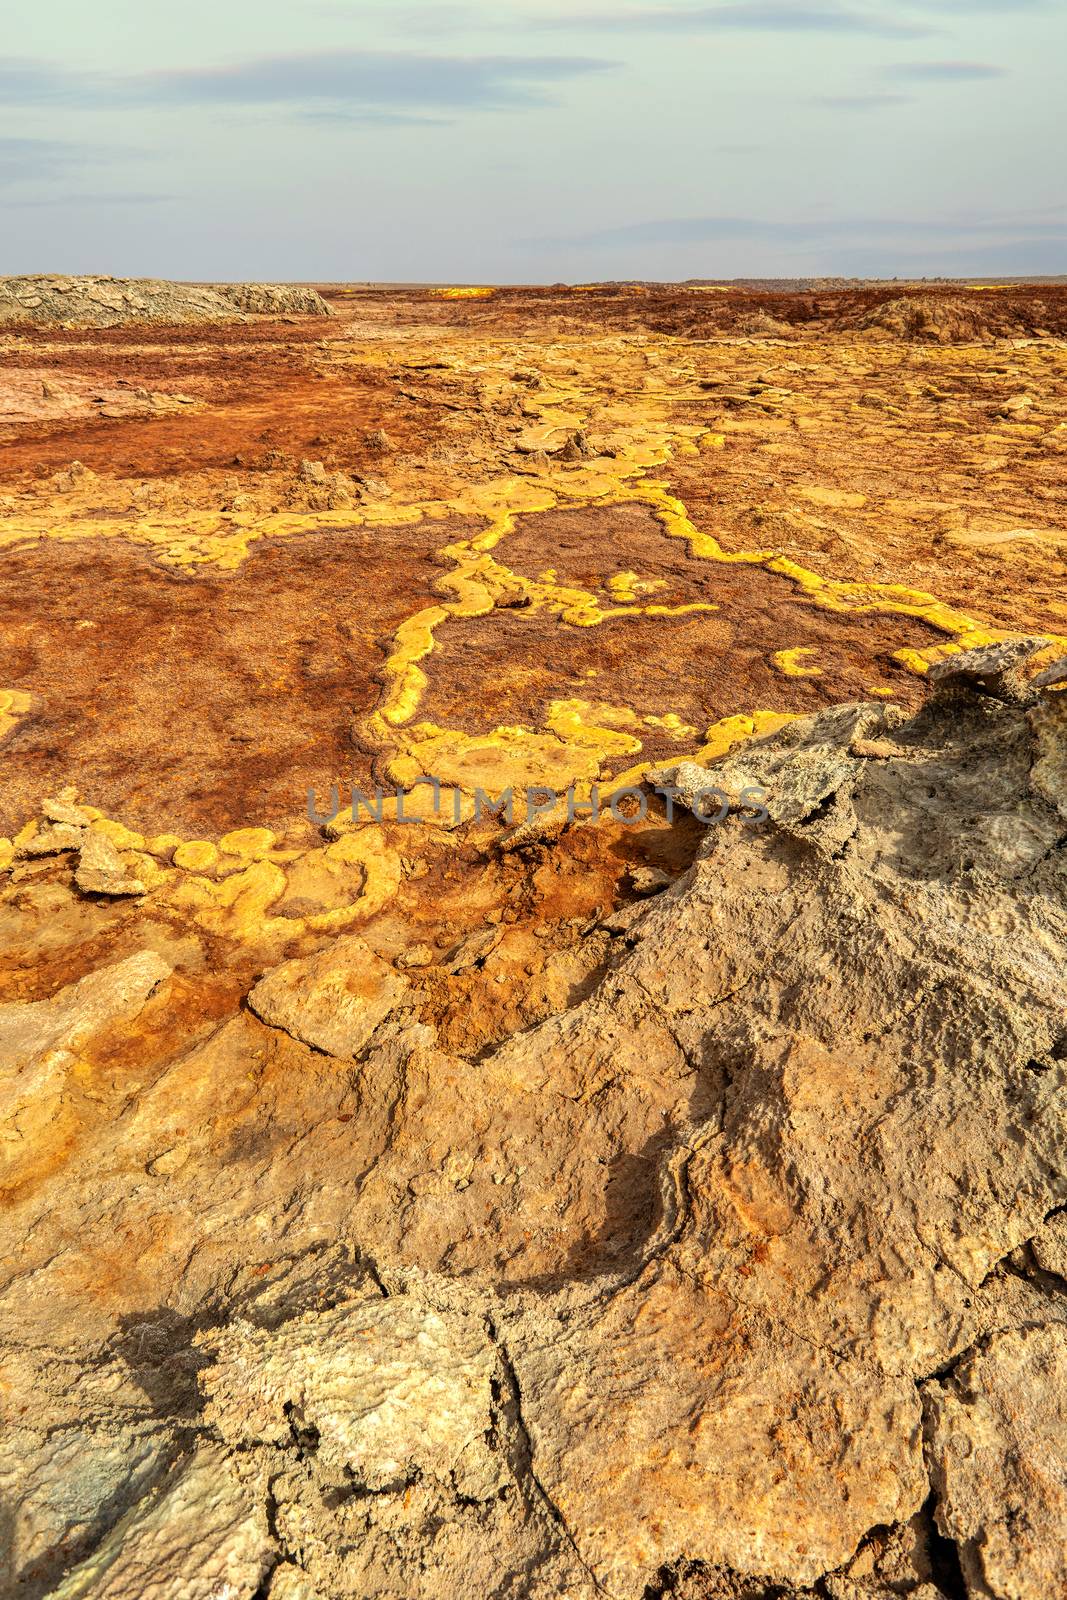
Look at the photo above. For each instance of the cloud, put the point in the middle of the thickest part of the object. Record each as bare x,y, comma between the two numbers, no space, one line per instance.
755,16
861,102
87,198
427,20
30,161
371,80
33,82
694,230
944,71
1022,255
813,230
339,116
988,7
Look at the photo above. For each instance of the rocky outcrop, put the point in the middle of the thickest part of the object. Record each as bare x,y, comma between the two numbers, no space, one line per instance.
997,1426
276,299
947,318
42,1043
204,1533
104,302
740,1276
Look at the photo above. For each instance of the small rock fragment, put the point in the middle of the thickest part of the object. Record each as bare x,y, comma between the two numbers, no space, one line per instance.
419,955
875,749
101,869
994,669
51,841
577,448
332,1001
72,476
1055,674
648,880
474,949
64,808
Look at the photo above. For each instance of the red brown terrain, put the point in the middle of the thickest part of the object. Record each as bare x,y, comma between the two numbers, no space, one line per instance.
544,1203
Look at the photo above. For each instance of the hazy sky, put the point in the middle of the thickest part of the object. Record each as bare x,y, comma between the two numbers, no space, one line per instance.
372,139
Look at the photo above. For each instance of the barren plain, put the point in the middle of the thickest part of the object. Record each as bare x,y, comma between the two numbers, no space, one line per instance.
631,1205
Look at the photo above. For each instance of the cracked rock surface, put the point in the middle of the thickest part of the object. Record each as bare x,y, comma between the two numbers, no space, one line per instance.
741,1274
997,1429
104,302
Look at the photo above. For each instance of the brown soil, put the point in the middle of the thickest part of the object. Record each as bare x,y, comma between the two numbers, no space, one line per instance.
695,312
203,700
677,1108
193,703
703,666
258,408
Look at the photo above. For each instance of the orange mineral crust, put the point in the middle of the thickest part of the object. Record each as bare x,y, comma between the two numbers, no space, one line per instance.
505,1184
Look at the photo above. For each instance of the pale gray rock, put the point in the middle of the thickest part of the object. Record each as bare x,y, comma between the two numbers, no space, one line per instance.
647,881
103,302
392,1389
994,669
880,1108
1049,1246
671,1423
788,777
203,1536
42,1042
696,788
276,299
1048,775
290,1583
1052,676
101,869
56,1487
333,1001
998,1453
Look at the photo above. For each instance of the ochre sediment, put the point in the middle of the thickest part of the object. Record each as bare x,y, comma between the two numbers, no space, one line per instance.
653,417
550,1208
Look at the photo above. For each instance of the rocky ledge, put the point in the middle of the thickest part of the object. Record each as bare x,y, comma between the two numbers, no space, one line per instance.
744,1276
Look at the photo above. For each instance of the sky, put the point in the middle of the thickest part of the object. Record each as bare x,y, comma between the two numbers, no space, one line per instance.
378,140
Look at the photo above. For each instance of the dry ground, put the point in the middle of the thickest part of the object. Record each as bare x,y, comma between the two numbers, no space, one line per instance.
519,538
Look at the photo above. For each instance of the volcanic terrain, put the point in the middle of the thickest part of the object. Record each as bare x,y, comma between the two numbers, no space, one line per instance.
419,1199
